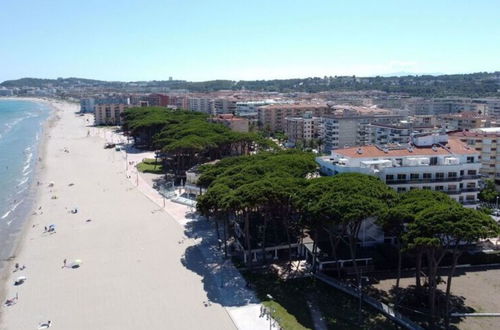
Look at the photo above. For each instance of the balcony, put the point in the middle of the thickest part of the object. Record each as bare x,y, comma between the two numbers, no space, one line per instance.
416,181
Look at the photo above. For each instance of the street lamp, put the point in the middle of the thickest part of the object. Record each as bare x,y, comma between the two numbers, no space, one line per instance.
496,208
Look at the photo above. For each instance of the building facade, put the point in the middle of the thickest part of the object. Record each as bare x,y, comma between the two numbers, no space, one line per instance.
431,162
109,114
398,133
273,117
486,142
303,128
342,131
200,104
234,123
87,105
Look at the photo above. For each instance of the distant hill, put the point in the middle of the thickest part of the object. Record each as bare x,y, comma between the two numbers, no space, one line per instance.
481,84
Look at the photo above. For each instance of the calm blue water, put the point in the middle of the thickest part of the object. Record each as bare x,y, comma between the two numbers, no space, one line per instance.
21,124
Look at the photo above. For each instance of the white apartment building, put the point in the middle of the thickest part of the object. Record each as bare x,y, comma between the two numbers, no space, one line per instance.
431,162
200,104
486,141
342,131
6,92
223,106
249,109
395,133
87,105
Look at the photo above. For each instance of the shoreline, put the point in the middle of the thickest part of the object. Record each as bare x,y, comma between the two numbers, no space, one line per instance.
33,191
132,254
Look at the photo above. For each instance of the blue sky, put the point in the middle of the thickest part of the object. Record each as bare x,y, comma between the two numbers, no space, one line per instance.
243,39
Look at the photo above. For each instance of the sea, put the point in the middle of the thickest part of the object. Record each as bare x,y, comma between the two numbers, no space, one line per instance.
21,125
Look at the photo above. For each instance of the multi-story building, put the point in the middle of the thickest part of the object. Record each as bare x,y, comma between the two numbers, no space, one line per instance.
465,121
110,114
6,92
178,101
223,105
234,123
200,104
351,130
488,106
157,100
485,141
273,117
303,128
400,132
418,106
431,162
87,105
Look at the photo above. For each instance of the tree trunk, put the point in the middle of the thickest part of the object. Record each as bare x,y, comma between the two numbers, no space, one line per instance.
456,255
264,240
333,246
225,235
398,278
432,286
418,270
247,238
352,250
314,250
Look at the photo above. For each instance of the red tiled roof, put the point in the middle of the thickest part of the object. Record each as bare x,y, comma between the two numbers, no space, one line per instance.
459,134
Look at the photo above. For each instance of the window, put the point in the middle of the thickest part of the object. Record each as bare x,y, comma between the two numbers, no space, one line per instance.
433,161
401,176
426,188
427,175
389,177
470,197
470,159
439,176
439,188
452,187
452,174
401,189
399,161
461,172
471,172
414,176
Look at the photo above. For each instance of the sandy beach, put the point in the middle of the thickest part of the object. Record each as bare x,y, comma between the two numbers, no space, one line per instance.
131,274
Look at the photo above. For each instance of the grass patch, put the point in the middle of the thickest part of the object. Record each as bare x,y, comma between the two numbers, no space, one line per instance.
149,165
290,303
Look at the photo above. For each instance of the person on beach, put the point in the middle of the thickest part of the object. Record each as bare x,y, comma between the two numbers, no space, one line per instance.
64,263
16,267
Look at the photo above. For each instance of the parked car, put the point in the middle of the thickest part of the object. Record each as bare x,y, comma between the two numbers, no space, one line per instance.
109,145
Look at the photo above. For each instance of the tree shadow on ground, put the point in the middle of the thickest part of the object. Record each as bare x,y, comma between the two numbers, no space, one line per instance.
222,282
415,305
